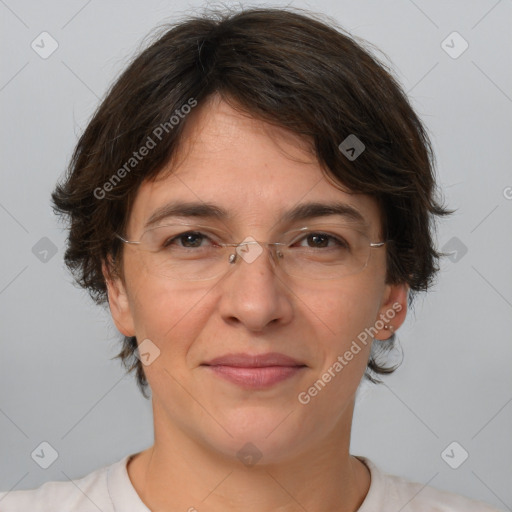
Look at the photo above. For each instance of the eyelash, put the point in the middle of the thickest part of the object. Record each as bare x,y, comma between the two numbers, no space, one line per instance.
170,241
338,241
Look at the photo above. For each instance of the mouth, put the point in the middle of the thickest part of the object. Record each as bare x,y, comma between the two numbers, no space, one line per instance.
255,371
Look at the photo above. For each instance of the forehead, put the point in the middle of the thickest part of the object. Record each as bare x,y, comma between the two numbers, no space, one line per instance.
254,171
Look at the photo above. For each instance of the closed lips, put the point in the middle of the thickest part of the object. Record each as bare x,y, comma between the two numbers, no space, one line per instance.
254,361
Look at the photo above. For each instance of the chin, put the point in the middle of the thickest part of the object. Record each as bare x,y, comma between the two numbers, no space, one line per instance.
262,437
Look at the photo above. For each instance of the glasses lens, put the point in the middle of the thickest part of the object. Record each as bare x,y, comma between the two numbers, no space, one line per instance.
325,251
185,252
193,252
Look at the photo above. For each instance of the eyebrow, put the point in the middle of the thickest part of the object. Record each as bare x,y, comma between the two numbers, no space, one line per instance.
186,209
312,210
300,212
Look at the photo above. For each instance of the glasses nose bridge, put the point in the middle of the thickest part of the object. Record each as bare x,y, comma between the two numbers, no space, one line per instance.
250,250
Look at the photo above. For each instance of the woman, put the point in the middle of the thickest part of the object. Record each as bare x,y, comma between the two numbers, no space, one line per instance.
254,198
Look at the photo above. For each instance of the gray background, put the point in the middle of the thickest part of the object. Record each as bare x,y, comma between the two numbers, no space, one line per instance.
57,381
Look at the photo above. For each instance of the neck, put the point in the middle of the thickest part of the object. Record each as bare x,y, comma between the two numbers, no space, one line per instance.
179,473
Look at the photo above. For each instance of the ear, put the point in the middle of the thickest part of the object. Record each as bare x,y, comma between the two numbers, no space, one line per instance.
118,301
393,311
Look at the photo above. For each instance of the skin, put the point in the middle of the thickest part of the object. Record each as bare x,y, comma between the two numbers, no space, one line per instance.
256,172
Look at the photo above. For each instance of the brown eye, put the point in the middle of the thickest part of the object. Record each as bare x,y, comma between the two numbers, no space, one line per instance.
318,240
321,241
191,239
188,240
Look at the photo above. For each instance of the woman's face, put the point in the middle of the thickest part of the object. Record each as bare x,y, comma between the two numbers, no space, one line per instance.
254,173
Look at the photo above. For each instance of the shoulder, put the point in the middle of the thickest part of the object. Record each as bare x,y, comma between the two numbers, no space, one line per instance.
389,493
87,494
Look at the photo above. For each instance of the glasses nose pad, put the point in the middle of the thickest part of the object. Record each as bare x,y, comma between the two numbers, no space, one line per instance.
276,254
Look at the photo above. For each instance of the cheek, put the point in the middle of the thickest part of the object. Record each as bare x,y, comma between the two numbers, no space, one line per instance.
172,318
342,345
169,313
341,310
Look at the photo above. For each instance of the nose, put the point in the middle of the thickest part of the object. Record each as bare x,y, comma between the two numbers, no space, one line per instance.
254,293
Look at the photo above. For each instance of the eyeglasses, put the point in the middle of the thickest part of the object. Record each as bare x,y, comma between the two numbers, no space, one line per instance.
191,252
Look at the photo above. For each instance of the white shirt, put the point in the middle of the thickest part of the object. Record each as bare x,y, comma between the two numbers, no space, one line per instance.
109,489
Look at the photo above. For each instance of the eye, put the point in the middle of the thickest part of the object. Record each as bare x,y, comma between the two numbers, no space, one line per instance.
188,240
319,240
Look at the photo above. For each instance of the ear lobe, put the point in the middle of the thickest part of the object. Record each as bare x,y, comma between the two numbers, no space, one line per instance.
118,302
393,311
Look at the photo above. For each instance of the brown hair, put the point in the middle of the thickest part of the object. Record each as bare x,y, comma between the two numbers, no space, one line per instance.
281,66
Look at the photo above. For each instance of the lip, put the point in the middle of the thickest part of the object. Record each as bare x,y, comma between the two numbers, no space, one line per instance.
255,371
254,361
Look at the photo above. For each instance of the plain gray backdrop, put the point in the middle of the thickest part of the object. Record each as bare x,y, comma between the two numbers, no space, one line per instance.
58,381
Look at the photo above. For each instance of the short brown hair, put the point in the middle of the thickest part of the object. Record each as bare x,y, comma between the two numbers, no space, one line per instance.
283,66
